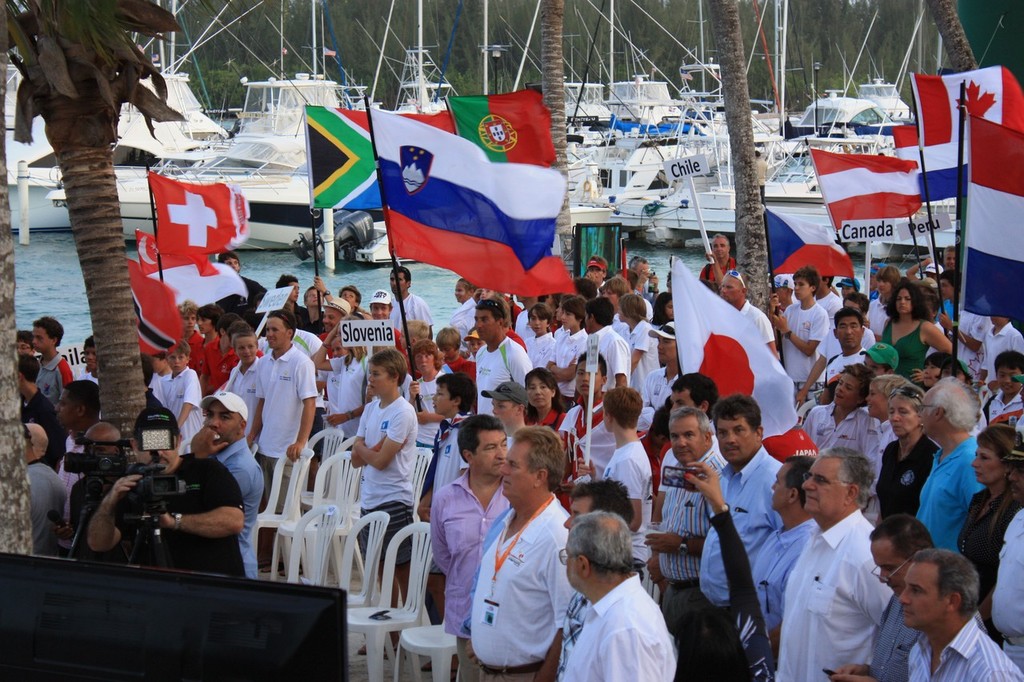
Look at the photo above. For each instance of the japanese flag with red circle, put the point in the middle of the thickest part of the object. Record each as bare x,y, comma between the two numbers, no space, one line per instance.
198,219
715,339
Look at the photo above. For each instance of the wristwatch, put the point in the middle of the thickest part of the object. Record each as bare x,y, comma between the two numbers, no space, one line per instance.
724,508
177,520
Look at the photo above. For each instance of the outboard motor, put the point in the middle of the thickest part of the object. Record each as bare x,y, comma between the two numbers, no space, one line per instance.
352,231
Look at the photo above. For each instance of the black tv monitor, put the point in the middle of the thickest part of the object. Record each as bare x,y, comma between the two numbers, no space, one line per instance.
70,620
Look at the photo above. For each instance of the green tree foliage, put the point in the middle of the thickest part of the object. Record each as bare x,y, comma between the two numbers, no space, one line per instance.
652,38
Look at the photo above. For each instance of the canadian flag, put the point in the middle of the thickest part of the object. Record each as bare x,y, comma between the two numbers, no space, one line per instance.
192,278
720,343
158,319
198,219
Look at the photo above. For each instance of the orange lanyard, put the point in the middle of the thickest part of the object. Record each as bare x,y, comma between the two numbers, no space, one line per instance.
499,559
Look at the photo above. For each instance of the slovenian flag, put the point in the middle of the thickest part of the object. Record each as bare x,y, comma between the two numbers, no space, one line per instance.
720,342
339,157
866,186
447,205
992,93
995,250
513,127
796,243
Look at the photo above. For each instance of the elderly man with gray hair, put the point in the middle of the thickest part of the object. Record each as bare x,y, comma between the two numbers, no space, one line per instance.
949,412
625,635
833,601
940,601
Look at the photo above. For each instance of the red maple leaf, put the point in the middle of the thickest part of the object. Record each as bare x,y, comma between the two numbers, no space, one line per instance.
977,102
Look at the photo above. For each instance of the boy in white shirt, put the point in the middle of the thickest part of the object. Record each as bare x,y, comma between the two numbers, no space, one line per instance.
629,464
1002,336
243,378
182,394
540,348
385,449
803,326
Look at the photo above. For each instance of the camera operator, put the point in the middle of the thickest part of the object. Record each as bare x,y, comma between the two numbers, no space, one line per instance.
202,524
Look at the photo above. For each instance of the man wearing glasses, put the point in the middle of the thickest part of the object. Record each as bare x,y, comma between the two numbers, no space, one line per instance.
893,543
833,602
1008,597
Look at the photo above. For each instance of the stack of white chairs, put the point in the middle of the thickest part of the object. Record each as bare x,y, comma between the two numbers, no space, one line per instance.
313,554
290,511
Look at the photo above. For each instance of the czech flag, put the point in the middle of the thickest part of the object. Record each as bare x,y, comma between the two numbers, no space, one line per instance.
995,251
796,243
866,186
513,127
992,93
447,205
721,343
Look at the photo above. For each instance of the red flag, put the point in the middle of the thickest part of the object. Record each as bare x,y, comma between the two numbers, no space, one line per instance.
866,186
198,219
511,127
158,320
190,277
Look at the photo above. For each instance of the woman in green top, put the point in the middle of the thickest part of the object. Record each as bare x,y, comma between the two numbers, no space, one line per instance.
909,330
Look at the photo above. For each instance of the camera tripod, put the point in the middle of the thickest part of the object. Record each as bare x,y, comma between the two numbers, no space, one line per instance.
149,548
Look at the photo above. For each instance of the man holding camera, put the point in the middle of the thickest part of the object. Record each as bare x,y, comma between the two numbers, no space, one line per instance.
198,527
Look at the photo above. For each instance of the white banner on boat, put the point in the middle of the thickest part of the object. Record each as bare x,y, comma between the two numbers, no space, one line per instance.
367,333
677,169
893,230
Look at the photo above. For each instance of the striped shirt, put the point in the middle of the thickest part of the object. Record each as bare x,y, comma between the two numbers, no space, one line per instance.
972,655
892,645
686,513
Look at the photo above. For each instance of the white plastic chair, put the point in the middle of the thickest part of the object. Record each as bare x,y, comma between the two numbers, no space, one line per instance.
269,518
334,442
419,475
376,524
427,640
378,644
312,554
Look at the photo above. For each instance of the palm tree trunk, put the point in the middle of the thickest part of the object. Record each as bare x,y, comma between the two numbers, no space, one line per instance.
15,522
552,79
751,249
958,49
95,212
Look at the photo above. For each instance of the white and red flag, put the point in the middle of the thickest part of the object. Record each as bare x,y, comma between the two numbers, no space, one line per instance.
198,219
192,278
991,93
158,319
866,186
720,342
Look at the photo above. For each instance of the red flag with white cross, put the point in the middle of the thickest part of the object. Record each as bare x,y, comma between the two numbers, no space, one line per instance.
198,219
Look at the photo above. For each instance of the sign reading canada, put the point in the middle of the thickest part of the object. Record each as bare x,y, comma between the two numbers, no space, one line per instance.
901,229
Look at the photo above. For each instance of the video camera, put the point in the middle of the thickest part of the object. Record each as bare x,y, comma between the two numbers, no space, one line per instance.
90,463
155,430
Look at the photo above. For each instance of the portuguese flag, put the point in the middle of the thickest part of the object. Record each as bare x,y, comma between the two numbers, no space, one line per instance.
339,157
513,127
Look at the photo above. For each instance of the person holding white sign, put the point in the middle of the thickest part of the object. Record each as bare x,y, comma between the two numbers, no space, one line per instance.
345,376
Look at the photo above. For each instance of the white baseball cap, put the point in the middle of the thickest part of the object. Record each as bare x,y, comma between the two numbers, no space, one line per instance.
381,296
783,281
231,402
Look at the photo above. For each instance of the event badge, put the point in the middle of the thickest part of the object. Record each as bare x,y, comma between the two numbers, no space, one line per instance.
490,612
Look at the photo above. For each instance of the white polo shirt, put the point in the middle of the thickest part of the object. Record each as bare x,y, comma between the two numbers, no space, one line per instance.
508,362
760,320
858,430
244,385
415,309
615,351
179,391
283,383
630,466
516,615
568,349
393,483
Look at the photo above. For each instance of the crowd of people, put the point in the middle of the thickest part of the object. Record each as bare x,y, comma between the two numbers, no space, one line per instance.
610,517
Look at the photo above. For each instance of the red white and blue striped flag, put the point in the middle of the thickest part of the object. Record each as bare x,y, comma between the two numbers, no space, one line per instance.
447,205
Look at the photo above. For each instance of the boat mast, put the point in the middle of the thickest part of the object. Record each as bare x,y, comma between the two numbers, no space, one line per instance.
484,51
421,84
312,24
703,71
611,45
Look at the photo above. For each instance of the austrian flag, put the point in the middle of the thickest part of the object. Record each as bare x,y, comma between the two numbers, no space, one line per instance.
198,219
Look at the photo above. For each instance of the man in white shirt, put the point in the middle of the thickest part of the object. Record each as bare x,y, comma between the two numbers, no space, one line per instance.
827,298
734,291
613,348
500,359
1008,596
286,400
462,318
803,327
522,591
624,635
940,600
833,602
415,307
848,330
1001,336
629,464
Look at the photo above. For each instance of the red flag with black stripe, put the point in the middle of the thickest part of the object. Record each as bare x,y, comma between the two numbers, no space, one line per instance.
158,319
